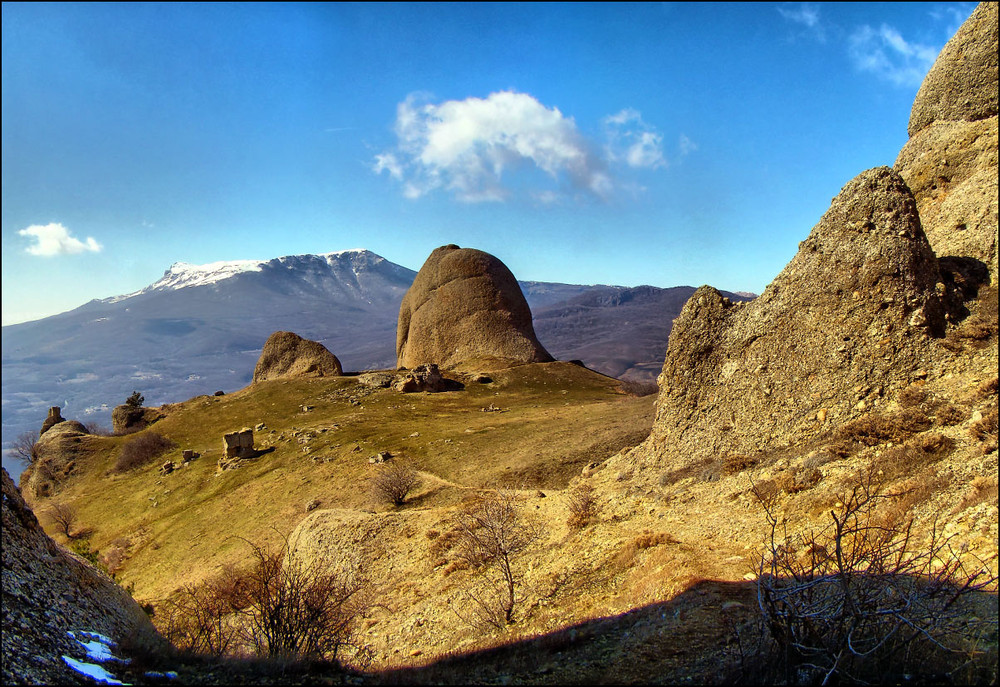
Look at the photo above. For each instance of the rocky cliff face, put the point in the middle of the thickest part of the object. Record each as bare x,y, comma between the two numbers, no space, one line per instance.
288,355
950,160
47,593
465,305
880,295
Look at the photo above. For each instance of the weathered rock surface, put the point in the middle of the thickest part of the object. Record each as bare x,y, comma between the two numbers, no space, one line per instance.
48,592
962,83
847,320
421,378
54,417
465,305
57,453
288,355
126,419
950,160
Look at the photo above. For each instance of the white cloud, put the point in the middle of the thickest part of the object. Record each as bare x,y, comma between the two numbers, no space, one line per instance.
886,54
488,149
633,141
805,14
55,239
686,145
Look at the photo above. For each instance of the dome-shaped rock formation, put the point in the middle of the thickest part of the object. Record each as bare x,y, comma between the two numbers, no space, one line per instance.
950,160
465,305
287,355
846,321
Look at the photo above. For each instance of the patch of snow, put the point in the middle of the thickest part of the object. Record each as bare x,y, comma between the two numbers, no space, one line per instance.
92,670
98,648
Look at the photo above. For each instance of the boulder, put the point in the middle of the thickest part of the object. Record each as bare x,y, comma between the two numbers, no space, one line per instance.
48,593
465,305
126,419
950,160
421,378
848,319
54,417
238,444
287,355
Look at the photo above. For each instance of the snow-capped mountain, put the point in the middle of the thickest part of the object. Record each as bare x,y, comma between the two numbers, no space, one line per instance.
200,328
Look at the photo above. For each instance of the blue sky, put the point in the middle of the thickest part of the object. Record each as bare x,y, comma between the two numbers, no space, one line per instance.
661,144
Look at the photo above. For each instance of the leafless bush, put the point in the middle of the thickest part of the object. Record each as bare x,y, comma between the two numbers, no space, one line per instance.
200,618
582,506
290,608
737,462
281,607
97,429
872,428
492,533
141,450
393,483
64,517
860,601
115,555
24,447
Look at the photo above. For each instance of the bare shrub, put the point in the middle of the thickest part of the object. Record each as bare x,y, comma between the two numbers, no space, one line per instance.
582,506
393,483
913,395
914,454
97,429
861,601
63,517
290,608
980,490
492,533
985,430
200,617
871,429
141,450
281,607
737,462
949,414
115,555
794,480
25,447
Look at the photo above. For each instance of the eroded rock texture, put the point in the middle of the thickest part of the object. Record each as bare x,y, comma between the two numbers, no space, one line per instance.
465,305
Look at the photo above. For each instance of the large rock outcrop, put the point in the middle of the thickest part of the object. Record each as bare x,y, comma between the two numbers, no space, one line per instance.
844,324
48,593
465,305
287,355
57,455
950,160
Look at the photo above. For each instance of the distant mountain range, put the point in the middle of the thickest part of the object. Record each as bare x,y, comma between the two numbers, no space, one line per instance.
200,328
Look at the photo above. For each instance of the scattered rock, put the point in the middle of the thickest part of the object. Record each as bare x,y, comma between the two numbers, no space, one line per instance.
421,378
380,457
464,305
287,355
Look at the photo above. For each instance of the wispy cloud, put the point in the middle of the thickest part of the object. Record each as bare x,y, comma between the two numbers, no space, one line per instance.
805,14
632,141
55,239
886,54
480,149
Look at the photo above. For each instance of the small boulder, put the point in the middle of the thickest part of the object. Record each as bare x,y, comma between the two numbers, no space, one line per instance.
287,355
421,378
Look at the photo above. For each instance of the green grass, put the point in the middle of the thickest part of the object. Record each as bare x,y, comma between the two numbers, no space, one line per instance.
555,419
